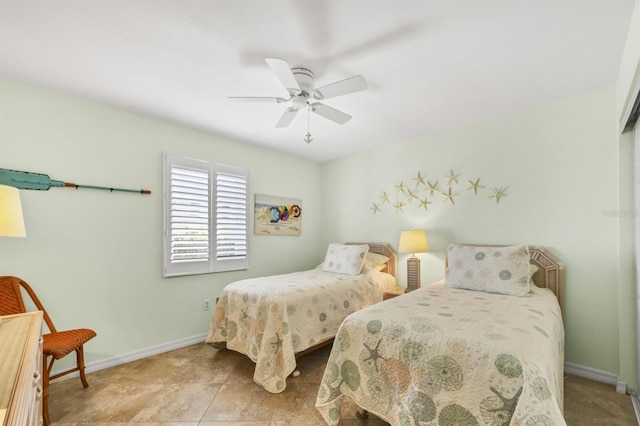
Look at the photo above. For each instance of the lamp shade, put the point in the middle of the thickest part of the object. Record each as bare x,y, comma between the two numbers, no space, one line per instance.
11,220
414,241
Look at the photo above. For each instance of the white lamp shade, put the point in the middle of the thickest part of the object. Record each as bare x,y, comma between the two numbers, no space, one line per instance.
414,241
11,219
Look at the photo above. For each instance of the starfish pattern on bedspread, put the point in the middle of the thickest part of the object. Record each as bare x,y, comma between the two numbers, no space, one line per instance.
374,354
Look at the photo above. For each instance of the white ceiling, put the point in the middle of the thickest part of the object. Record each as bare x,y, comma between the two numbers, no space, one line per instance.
430,65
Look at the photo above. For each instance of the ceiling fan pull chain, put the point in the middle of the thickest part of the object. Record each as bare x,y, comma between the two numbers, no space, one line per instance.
308,139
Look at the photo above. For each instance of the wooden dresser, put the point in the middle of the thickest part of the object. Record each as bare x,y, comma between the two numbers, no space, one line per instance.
21,369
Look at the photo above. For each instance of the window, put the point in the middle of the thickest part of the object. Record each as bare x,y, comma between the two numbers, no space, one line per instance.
206,217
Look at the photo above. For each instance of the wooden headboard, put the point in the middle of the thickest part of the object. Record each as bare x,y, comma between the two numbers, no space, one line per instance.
387,250
551,272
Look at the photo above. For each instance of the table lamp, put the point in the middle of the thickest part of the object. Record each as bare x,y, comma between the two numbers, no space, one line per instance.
414,241
11,219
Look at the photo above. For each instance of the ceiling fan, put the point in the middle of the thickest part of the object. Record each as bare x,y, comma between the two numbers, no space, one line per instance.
299,82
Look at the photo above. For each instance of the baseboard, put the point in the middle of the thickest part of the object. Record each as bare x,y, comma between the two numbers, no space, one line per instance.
636,406
597,375
136,355
621,387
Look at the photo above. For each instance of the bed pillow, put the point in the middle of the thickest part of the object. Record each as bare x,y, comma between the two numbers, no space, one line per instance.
375,262
502,270
368,266
376,258
532,270
345,258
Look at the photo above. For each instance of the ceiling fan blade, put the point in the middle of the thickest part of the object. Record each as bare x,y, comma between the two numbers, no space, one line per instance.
282,70
287,117
330,113
256,99
342,87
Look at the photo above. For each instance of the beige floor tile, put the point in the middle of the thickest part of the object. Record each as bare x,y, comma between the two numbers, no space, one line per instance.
241,402
234,424
595,404
178,402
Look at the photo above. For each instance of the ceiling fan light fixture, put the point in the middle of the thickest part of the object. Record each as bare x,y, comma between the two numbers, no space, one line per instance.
300,101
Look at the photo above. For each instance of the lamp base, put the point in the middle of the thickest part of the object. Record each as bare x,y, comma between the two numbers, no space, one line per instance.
413,273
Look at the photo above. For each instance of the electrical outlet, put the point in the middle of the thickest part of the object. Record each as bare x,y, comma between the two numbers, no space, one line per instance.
205,305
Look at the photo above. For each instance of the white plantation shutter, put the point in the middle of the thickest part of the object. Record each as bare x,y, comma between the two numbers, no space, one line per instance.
206,217
232,217
189,215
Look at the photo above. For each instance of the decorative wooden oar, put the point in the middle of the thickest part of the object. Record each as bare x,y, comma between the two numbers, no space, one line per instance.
42,182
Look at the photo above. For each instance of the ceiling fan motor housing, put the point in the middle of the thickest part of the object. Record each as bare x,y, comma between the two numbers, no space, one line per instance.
305,79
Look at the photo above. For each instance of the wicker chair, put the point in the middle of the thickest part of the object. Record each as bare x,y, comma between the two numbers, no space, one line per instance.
56,344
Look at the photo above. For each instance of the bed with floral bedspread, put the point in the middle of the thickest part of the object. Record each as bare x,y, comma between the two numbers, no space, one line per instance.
448,356
271,319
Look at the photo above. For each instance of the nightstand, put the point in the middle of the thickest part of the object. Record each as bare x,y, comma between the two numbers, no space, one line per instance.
394,292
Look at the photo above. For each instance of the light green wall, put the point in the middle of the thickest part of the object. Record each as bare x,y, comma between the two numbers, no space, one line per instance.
627,296
94,257
626,91
560,164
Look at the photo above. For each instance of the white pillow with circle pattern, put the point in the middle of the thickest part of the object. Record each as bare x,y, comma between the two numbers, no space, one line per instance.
345,258
502,270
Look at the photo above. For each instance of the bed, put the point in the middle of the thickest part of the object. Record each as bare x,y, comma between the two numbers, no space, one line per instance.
273,320
449,355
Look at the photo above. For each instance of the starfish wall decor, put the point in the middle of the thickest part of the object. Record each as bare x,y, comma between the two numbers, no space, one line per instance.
498,193
475,185
426,189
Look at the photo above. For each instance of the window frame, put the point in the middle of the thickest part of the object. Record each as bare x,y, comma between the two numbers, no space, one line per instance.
213,262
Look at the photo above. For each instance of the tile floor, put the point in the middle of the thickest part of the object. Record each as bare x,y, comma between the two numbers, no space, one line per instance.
200,385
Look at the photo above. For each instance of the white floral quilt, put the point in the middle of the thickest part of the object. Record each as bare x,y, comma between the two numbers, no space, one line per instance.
444,356
269,319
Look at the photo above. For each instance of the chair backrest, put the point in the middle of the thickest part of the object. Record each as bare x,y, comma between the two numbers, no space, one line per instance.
10,298
11,301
